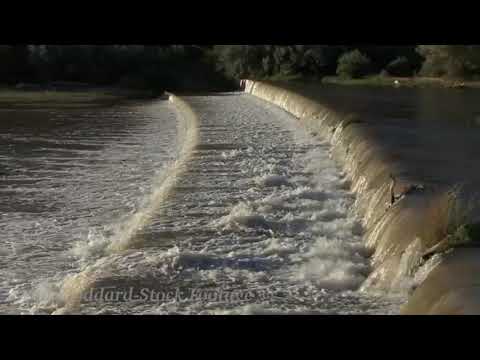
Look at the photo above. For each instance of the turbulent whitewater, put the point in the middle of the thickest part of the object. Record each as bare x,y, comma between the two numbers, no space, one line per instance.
240,212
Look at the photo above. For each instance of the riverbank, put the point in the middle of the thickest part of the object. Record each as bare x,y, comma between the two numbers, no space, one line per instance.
422,241
411,82
377,81
15,99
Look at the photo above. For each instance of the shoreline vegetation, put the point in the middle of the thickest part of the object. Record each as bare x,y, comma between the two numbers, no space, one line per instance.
380,81
14,98
81,97
94,75
412,82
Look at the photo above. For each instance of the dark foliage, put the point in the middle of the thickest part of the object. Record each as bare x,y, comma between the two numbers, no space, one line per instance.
461,61
144,67
400,67
219,67
354,65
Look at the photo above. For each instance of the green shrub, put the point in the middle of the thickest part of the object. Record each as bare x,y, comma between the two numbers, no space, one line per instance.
400,67
353,65
433,67
456,61
467,233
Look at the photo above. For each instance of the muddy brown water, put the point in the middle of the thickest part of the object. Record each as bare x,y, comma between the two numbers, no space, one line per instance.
261,204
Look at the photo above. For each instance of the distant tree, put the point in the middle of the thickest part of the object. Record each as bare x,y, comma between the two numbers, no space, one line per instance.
353,65
14,64
450,60
6,62
260,61
322,59
231,59
399,67
382,55
182,66
151,67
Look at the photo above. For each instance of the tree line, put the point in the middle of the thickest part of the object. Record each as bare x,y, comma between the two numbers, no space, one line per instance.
179,67
260,61
316,61
218,67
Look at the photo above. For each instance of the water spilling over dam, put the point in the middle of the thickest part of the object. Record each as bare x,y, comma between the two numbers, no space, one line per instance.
418,198
70,176
218,204
255,210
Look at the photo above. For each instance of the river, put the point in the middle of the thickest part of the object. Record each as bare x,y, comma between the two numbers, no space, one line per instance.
107,211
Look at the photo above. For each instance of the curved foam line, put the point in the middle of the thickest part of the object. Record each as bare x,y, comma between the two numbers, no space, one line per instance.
188,136
73,286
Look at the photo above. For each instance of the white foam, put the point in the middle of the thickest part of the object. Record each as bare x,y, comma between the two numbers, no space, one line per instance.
259,309
334,265
295,235
122,234
241,215
278,247
95,249
272,180
231,154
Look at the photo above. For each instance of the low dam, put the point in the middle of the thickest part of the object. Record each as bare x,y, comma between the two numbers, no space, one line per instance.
427,160
211,204
281,199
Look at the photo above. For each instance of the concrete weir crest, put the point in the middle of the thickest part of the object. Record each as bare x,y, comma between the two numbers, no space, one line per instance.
423,220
